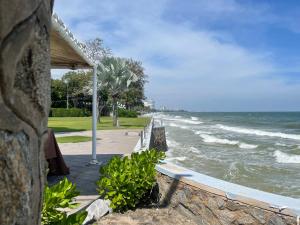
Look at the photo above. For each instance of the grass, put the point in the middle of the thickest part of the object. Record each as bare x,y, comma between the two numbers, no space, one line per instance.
69,124
73,139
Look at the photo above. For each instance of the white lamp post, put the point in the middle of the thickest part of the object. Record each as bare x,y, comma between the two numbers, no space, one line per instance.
94,119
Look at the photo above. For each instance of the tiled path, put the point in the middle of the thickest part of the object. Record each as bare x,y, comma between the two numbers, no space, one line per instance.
78,155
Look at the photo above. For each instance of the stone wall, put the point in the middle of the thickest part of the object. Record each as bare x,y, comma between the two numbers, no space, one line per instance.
158,139
207,208
24,105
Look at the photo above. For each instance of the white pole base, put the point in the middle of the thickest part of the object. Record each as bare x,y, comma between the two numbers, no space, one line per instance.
94,162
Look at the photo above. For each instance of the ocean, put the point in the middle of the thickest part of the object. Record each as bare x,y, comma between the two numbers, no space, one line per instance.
258,150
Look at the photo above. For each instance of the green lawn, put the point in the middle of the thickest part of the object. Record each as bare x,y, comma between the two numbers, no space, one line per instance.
73,139
68,124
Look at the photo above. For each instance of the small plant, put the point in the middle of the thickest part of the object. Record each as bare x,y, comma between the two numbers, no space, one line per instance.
58,197
126,181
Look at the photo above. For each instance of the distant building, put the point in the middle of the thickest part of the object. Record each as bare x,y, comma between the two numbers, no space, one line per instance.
164,108
149,103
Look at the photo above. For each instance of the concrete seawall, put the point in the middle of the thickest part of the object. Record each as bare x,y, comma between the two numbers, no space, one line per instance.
210,201
208,205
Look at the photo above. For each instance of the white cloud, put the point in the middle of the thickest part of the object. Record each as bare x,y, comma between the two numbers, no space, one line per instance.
198,69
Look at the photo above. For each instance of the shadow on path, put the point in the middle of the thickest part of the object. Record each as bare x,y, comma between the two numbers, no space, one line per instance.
83,174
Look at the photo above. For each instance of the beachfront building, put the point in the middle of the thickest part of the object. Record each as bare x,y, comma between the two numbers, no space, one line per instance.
149,103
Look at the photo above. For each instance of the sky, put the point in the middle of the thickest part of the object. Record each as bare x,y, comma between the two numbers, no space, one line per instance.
201,55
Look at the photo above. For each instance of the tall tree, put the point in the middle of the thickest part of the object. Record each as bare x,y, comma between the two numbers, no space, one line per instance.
97,51
75,85
75,82
58,93
115,75
134,96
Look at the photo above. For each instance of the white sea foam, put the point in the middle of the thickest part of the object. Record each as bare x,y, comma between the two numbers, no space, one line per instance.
180,119
282,157
211,139
188,121
182,158
172,143
201,132
258,132
280,144
232,172
178,125
248,146
194,150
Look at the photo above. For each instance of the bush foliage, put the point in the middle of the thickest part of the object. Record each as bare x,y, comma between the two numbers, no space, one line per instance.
71,112
126,181
58,197
127,113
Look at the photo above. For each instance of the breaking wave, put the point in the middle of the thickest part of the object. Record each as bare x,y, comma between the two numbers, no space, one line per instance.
194,150
187,121
172,143
248,146
258,132
177,125
180,119
211,139
280,144
282,157
182,158
202,132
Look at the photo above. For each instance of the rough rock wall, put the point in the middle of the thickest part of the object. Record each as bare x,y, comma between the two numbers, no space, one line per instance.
24,105
158,139
205,208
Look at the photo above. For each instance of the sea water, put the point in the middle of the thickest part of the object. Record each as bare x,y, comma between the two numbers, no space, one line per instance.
258,150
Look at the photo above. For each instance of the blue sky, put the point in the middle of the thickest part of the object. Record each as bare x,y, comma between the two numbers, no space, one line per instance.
202,55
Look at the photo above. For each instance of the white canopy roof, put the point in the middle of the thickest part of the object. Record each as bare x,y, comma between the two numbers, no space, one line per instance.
66,51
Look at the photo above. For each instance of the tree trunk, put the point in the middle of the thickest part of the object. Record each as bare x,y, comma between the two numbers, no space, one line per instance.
100,112
24,107
115,112
98,109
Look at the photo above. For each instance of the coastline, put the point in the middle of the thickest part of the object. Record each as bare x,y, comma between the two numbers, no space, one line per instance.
260,160
268,202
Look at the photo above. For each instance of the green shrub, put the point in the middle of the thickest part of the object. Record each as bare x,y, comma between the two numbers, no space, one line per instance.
127,113
71,112
126,181
57,197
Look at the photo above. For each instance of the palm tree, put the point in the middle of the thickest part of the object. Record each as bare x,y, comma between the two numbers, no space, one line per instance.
115,75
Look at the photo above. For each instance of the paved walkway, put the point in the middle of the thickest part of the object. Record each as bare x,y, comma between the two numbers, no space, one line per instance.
108,142
78,155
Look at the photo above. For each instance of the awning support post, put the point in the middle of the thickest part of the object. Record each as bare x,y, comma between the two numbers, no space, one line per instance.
94,119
